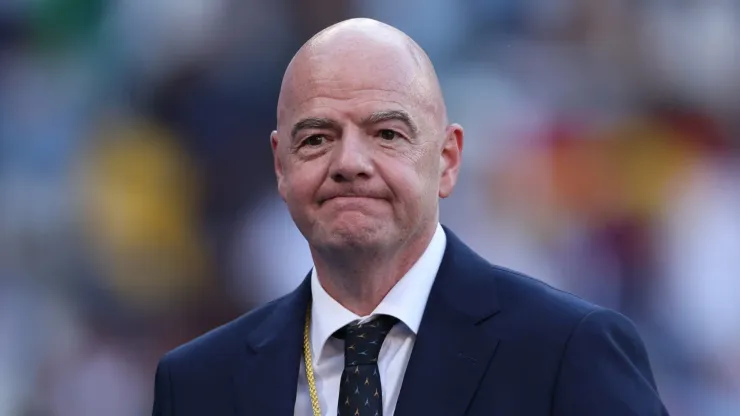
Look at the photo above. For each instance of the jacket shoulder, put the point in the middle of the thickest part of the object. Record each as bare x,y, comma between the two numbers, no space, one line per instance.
523,298
542,307
521,290
223,341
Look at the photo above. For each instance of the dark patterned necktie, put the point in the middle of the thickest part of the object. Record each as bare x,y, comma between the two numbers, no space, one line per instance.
360,392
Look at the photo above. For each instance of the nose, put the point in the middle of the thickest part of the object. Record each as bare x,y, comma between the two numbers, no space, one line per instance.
351,159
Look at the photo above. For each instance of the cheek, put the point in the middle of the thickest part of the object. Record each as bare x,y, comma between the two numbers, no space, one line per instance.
298,190
301,185
414,174
411,186
427,170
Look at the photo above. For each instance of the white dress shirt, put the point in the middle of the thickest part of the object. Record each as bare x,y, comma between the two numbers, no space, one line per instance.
406,301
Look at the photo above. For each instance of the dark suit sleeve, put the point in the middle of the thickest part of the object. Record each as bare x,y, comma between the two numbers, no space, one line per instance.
605,371
163,401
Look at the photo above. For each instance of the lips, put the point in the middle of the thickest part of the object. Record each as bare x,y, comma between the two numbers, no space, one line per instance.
349,197
351,202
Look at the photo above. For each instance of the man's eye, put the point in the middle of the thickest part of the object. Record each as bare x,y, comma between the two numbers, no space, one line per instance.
315,140
388,135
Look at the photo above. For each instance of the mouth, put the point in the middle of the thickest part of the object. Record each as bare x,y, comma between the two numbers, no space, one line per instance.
350,200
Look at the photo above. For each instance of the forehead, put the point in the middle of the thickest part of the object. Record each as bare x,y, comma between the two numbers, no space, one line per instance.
339,103
358,79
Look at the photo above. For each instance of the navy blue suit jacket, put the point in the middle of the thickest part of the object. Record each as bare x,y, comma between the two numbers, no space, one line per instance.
491,342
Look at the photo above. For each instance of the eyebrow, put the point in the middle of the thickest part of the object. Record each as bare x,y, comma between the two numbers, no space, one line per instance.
389,115
313,123
374,118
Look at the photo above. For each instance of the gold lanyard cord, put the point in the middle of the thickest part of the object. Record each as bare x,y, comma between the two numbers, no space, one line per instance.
309,365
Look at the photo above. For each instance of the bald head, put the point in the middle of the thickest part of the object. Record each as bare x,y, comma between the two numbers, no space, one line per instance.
362,54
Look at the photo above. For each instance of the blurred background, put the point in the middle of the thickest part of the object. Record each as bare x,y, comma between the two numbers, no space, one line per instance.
138,206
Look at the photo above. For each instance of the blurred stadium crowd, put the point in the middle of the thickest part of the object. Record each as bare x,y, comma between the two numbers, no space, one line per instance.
138,205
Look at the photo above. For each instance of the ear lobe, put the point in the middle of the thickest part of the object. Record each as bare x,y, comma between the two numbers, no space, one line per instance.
451,159
276,159
278,166
274,141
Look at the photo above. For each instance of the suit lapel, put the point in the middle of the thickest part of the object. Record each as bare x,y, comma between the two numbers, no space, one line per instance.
266,373
453,347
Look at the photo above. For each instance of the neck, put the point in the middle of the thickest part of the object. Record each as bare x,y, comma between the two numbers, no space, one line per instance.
359,282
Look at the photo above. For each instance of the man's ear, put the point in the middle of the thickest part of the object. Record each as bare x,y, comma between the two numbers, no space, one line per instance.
275,145
450,159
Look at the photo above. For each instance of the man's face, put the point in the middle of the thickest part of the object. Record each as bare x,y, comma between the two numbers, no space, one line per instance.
360,155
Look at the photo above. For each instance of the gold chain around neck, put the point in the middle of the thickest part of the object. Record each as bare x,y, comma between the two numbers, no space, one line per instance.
309,365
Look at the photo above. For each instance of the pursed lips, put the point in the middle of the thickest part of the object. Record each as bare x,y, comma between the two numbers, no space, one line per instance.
350,198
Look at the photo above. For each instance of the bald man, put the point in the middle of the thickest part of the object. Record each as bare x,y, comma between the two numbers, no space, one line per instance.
397,316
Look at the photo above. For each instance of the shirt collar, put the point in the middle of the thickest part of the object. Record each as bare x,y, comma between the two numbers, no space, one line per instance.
406,301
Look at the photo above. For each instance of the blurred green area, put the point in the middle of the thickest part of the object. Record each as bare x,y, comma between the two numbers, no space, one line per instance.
62,23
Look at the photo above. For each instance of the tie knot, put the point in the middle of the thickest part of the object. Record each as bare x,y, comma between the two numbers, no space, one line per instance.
362,341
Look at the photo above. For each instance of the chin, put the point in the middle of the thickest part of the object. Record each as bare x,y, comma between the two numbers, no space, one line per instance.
358,234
